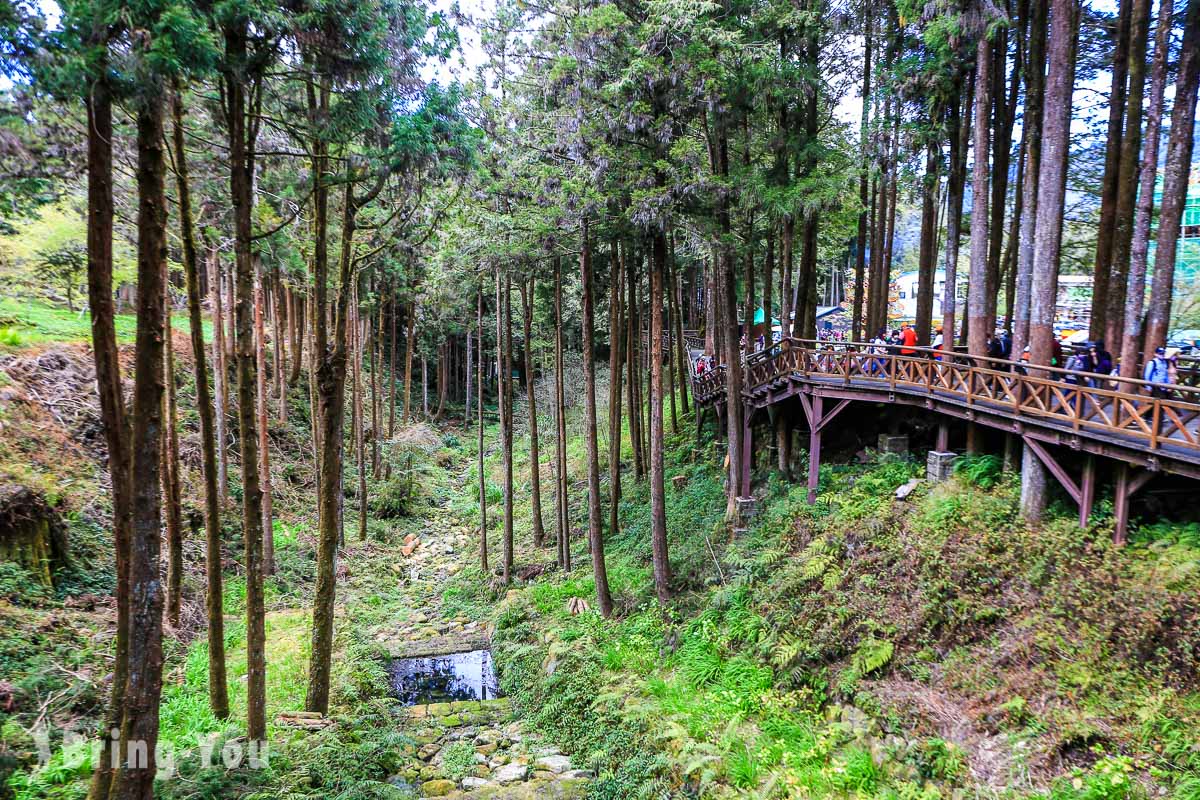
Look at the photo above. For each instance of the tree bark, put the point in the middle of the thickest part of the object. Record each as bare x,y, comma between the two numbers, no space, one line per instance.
927,258
960,137
509,499
977,300
1003,113
218,692
241,178
615,363
860,241
264,442
633,335
562,520
658,507
220,374
410,315
98,101
1127,176
356,349
172,502
1135,295
1035,87
1175,182
483,523
535,466
595,533
1112,167
143,685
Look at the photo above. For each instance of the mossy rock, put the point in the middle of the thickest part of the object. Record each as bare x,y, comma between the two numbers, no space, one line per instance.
32,534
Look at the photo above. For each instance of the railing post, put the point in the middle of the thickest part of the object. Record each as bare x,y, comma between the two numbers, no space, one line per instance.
1155,420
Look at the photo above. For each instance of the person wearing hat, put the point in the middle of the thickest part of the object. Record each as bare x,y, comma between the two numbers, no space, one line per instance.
1158,373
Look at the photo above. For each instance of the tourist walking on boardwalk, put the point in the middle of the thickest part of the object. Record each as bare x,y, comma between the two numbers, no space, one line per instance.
1158,372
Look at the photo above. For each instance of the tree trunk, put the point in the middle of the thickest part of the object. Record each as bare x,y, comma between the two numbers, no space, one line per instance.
535,466
562,520
658,507
960,132
264,442
376,356
1135,295
1035,86
860,241
332,401
1127,176
615,358
633,335
1112,168
98,101
143,685
279,318
298,317
356,349
220,374
410,315
681,360
483,547
977,300
502,404
727,310
1175,182
172,502
467,372
241,182
392,369
927,258
218,693
1004,111
509,499
595,534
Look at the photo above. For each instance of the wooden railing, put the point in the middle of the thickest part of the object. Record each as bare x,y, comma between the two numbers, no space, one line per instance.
1124,410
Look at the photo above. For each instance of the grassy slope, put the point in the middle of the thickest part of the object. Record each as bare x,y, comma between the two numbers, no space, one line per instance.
868,647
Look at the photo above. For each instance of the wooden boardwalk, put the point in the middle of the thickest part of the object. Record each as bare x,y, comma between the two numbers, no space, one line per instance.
1146,433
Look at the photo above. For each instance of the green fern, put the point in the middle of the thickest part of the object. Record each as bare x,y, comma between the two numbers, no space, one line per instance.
981,470
872,654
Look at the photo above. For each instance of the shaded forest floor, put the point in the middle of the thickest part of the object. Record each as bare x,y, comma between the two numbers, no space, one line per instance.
861,647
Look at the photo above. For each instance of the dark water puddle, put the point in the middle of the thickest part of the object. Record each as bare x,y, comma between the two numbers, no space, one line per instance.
442,679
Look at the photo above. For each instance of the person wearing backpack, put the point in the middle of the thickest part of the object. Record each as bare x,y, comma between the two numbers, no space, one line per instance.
1158,373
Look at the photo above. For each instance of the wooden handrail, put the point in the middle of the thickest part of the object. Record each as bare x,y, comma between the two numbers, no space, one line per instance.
1022,390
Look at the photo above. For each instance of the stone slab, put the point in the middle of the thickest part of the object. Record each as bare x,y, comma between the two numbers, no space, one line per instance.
438,645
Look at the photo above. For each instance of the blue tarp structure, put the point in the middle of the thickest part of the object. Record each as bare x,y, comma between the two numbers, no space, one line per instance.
760,315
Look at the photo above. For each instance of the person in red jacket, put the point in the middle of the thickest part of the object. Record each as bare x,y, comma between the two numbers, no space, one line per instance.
908,340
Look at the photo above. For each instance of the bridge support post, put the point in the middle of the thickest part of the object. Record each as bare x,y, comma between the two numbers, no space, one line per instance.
942,443
814,446
814,410
747,456
1126,486
1087,490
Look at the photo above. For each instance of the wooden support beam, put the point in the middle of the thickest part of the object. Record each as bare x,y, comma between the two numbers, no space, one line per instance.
829,417
814,445
1127,485
942,443
747,459
1055,468
1083,492
1087,490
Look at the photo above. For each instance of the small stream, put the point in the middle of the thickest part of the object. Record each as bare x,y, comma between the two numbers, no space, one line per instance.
442,679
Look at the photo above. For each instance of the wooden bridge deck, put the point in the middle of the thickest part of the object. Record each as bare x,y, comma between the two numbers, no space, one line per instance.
1125,420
